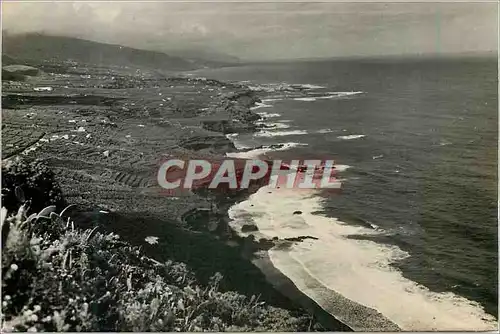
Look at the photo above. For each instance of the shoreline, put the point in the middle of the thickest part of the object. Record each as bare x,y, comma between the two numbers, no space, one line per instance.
317,272
326,304
330,317
285,285
257,252
103,148
259,255
276,263
106,172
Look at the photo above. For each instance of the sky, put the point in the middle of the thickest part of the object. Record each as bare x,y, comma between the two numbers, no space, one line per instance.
268,30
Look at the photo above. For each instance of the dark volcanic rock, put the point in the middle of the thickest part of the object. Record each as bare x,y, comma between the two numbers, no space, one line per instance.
249,228
301,238
216,125
298,212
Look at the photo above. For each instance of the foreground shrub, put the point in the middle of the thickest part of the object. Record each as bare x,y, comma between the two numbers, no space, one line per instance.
35,180
58,278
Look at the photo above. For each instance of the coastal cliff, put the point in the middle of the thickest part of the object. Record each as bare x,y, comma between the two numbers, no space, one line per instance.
104,144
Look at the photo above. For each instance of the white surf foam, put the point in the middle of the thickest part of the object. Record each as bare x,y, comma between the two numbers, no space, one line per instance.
234,138
253,154
349,137
271,87
280,133
282,86
268,115
260,88
325,131
259,105
346,93
308,86
276,125
359,270
341,168
331,96
271,100
305,99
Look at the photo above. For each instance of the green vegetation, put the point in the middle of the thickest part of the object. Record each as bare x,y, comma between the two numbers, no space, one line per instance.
56,277
35,180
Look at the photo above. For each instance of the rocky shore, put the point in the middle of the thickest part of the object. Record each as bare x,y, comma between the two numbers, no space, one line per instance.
104,131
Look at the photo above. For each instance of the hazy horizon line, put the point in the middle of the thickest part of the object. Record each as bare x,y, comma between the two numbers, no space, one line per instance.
428,55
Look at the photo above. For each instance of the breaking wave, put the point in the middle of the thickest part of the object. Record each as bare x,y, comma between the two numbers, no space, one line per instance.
349,137
255,153
268,115
323,97
280,133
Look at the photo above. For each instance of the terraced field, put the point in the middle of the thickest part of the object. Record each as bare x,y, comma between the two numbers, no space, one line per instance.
104,132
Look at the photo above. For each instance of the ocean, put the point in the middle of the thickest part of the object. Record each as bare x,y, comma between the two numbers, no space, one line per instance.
413,233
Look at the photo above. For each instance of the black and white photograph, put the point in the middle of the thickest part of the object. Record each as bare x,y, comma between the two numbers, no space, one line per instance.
249,166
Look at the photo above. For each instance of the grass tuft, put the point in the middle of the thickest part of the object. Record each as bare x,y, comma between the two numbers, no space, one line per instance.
56,277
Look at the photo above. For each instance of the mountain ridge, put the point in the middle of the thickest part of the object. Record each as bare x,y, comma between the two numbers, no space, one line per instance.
39,46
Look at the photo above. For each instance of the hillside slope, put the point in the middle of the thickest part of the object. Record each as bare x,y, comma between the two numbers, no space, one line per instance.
35,46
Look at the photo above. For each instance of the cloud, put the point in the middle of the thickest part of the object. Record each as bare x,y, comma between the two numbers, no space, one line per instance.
268,30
